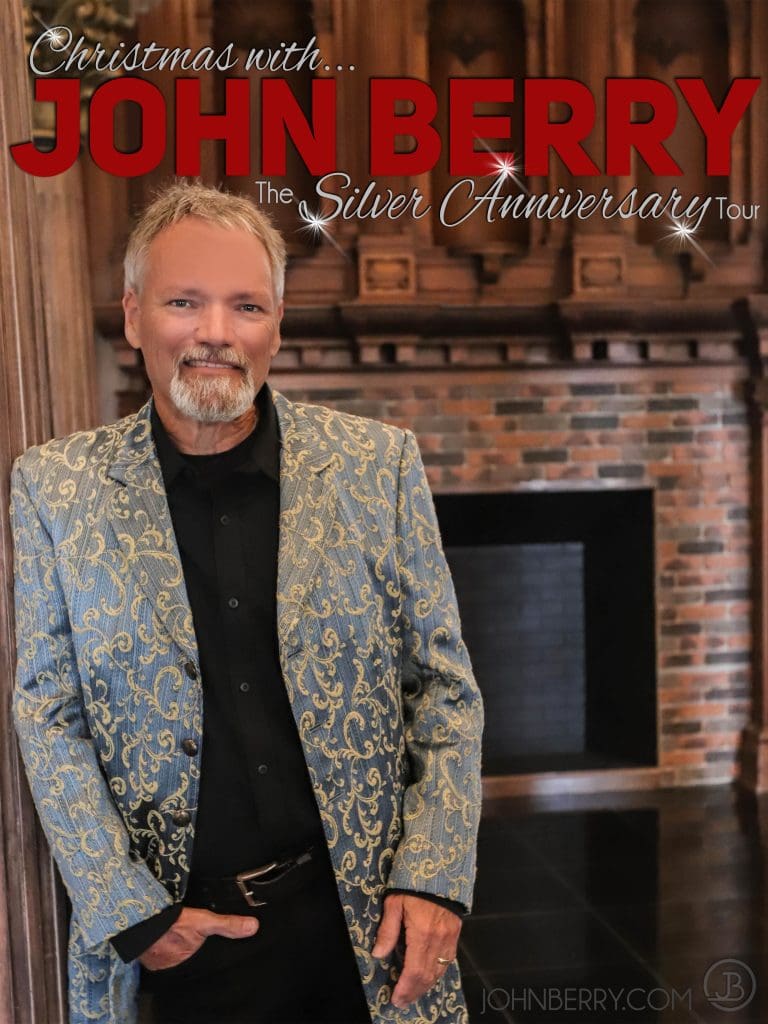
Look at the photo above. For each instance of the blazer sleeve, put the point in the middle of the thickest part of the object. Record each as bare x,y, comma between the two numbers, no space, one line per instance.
85,832
442,707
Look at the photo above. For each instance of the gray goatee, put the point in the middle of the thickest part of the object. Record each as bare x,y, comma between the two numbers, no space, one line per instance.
213,399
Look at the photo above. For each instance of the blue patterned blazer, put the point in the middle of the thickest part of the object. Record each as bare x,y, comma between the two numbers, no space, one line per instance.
107,687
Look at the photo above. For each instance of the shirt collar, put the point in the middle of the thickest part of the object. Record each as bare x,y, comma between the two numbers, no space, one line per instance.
259,452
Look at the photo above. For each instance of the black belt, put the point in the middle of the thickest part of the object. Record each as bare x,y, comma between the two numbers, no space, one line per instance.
254,888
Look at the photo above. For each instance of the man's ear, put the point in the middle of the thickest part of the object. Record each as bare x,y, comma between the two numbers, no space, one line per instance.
132,318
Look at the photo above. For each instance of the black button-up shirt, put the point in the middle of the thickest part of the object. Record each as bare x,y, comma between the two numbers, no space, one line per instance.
256,802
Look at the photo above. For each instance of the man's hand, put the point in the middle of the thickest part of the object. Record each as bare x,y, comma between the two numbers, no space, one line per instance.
431,931
190,930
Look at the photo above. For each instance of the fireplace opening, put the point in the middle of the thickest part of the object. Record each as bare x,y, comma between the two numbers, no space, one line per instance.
556,593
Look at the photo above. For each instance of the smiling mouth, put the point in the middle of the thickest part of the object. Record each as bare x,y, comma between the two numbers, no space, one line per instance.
211,364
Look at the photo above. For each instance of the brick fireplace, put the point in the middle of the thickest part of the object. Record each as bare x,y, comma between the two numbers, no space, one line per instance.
656,401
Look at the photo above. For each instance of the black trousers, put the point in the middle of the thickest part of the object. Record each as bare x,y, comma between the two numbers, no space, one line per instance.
299,968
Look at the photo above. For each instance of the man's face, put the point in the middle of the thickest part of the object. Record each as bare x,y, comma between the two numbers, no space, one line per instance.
206,320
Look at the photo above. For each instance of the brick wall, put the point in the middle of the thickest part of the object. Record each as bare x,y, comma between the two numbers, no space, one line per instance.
682,431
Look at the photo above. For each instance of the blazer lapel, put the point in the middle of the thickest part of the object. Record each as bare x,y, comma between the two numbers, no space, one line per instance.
142,524
307,506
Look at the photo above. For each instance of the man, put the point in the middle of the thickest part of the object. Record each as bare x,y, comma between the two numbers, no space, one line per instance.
248,720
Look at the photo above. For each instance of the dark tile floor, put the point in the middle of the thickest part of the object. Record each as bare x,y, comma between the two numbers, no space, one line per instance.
646,908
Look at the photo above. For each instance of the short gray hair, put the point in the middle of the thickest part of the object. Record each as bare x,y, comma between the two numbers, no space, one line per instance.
224,209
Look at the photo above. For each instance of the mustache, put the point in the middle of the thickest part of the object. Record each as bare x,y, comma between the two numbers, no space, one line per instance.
211,354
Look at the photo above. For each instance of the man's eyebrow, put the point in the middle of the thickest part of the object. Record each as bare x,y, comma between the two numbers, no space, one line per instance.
197,293
243,296
183,289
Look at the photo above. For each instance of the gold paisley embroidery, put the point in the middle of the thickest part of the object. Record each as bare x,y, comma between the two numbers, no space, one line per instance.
379,682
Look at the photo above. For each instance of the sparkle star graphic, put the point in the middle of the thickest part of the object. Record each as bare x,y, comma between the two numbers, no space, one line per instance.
316,225
684,233
503,165
57,38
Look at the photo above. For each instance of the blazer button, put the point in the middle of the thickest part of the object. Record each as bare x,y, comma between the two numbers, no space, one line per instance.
191,669
189,747
181,817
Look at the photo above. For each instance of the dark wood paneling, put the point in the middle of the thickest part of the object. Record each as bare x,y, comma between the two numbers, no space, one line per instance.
32,989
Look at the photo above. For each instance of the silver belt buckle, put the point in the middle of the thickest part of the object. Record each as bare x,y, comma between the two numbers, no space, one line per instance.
246,876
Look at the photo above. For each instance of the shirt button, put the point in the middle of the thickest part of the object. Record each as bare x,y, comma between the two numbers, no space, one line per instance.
191,669
224,520
263,769
233,602
245,687
189,747
181,817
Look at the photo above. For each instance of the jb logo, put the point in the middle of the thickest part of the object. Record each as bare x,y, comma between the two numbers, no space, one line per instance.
730,985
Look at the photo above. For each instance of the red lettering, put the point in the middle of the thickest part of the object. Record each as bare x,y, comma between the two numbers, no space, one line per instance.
390,128
466,125
65,93
386,125
233,126
564,137
281,114
102,127
718,125
622,134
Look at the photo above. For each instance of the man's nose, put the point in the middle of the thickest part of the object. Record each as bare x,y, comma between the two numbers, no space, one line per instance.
214,325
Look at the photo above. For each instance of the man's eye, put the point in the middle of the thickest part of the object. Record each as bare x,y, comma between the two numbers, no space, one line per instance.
180,303
249,307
